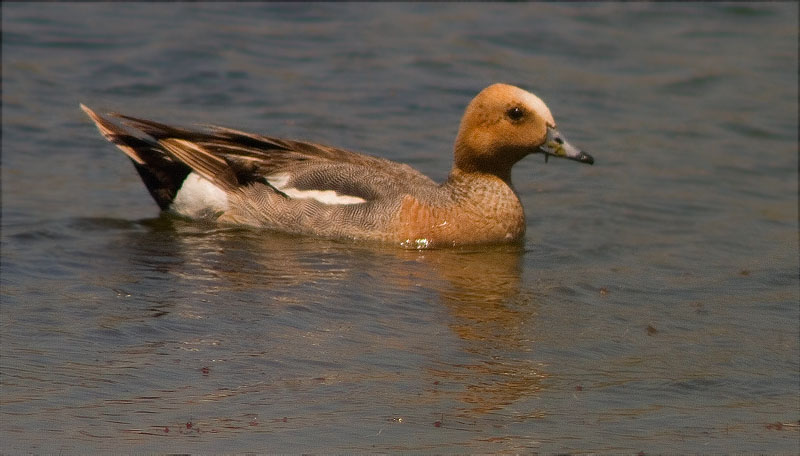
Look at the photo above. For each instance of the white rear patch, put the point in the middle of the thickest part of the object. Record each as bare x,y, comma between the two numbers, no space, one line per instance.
280,182
199,198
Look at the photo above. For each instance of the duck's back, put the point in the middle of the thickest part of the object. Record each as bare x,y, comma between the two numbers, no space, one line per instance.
235,177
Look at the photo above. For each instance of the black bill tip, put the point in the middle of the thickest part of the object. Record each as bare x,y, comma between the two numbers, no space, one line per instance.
585,158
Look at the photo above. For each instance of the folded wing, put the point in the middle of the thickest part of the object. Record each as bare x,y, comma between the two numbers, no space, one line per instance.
277,175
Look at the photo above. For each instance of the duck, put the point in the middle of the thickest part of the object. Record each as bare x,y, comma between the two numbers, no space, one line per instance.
232,177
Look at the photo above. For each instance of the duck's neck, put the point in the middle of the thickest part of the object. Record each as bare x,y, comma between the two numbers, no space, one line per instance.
480,188
471,161
462,178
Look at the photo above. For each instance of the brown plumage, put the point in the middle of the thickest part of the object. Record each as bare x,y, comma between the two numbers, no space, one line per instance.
300,187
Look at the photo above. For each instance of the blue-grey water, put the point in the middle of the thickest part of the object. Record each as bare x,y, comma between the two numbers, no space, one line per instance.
652,308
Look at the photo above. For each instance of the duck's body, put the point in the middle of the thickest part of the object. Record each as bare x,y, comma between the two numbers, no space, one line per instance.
299,187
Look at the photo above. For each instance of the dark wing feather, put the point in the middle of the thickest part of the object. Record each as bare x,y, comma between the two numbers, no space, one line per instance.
232,157
209,165
161,174
275,155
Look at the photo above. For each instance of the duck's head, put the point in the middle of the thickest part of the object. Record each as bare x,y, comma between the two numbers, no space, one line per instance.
503,124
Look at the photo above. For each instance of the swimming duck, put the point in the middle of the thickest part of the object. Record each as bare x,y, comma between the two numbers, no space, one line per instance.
240,178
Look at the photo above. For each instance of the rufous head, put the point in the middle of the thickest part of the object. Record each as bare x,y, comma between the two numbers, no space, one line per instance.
503,124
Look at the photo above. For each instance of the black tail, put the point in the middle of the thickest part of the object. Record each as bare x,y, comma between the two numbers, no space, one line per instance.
162,175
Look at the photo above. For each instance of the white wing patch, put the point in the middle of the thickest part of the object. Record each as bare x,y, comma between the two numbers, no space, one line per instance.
281,181
199,198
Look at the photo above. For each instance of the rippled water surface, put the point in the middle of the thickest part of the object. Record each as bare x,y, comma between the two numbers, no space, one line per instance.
653,306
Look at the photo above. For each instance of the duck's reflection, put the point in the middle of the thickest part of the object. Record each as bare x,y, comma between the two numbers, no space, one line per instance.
493,317
480,288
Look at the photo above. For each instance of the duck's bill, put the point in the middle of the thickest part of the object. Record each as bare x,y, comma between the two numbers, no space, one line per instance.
557,146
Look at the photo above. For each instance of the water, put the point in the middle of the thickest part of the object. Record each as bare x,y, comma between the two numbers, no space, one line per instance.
653,306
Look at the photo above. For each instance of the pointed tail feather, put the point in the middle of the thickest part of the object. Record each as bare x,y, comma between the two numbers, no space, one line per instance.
162,175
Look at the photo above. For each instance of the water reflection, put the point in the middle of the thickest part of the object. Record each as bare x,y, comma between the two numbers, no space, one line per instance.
493,315
488,308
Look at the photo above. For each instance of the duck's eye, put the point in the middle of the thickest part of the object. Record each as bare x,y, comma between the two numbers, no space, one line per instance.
515,113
